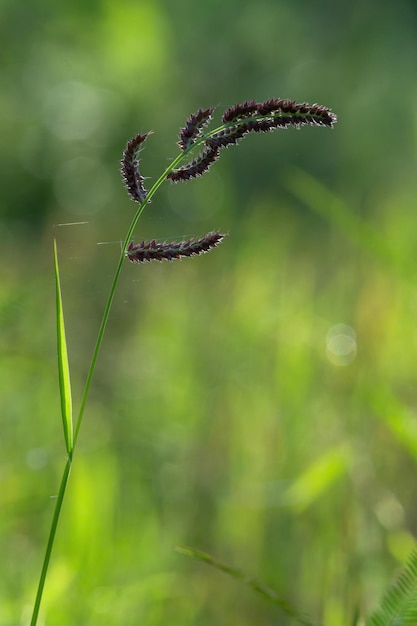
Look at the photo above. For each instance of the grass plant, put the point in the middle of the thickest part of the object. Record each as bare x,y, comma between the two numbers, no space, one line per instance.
200,148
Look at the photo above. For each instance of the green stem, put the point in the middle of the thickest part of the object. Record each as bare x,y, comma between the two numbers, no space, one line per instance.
51,538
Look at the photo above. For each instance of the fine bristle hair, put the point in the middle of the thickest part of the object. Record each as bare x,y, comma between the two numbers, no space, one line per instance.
239,111
130,168
147,251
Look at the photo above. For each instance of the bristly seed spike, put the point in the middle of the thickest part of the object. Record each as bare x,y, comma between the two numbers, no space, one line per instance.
194,126
197,167
147,251
130,168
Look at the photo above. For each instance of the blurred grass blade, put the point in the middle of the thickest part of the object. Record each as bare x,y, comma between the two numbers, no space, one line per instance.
266,591
397,417
322,201
63,366
399,604
321,476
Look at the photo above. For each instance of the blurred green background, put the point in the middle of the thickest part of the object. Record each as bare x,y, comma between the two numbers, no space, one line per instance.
257,403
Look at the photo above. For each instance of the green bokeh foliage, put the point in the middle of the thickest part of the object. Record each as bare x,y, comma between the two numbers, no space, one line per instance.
216,418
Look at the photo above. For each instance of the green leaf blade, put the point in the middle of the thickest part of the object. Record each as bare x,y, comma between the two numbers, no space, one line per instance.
63,365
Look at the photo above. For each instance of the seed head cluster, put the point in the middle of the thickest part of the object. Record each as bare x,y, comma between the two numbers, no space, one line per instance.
238,121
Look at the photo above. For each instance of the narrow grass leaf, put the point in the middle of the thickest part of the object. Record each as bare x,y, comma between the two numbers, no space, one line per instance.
266,591
321,476
397,417
63,366
321,200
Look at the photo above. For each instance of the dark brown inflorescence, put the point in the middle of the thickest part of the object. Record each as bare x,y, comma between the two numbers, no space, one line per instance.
240,120
153,251
198,166
130,168
294,113
194,126
237,111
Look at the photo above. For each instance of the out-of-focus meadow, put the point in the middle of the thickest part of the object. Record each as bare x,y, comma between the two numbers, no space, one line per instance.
257,403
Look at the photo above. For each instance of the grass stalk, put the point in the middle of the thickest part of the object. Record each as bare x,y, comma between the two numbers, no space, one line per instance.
100,335
51,539
237,121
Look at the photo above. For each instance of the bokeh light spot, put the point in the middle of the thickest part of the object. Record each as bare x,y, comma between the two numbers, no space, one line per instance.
73,111
341,345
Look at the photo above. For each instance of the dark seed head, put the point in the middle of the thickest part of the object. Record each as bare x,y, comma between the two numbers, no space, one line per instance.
147,251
